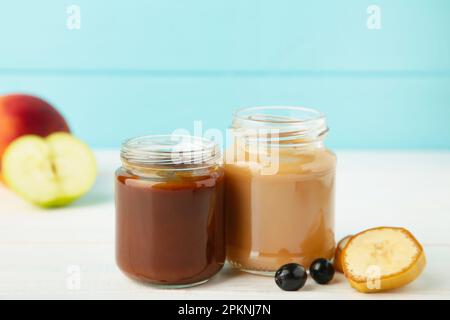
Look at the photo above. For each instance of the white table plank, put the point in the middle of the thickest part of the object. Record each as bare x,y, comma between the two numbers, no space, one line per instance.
410,189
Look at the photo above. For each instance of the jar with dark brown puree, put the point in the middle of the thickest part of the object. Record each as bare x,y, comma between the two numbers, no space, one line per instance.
170,222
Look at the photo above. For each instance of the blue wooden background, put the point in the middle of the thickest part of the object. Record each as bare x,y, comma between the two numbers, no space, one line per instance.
152,66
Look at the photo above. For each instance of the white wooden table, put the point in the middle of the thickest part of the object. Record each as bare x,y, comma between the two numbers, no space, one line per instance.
41,251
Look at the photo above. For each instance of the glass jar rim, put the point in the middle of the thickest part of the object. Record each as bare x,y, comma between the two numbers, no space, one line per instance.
315,114
286,125
170,151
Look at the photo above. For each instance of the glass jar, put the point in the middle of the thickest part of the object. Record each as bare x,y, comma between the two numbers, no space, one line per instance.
279,190
169,210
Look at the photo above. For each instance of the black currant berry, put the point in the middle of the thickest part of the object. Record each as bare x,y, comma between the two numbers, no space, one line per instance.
322,271
291,277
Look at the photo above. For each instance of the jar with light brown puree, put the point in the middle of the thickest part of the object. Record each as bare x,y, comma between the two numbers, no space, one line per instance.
280,181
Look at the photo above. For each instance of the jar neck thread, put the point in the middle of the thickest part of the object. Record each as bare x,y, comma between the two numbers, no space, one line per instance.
280,126
170,153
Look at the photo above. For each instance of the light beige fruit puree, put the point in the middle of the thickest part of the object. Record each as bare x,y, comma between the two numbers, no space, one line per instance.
281,218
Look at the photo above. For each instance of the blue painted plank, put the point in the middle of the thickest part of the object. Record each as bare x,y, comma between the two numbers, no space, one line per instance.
253,35
364,112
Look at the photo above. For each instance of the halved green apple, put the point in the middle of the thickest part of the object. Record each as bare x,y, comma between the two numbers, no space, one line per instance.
51,171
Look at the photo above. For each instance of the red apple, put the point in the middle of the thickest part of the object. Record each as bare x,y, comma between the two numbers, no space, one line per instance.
22,114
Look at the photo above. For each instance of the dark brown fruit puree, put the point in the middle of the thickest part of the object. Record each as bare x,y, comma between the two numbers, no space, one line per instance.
170,233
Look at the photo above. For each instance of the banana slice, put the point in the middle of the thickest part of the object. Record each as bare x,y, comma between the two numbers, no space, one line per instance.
382,258
337,263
